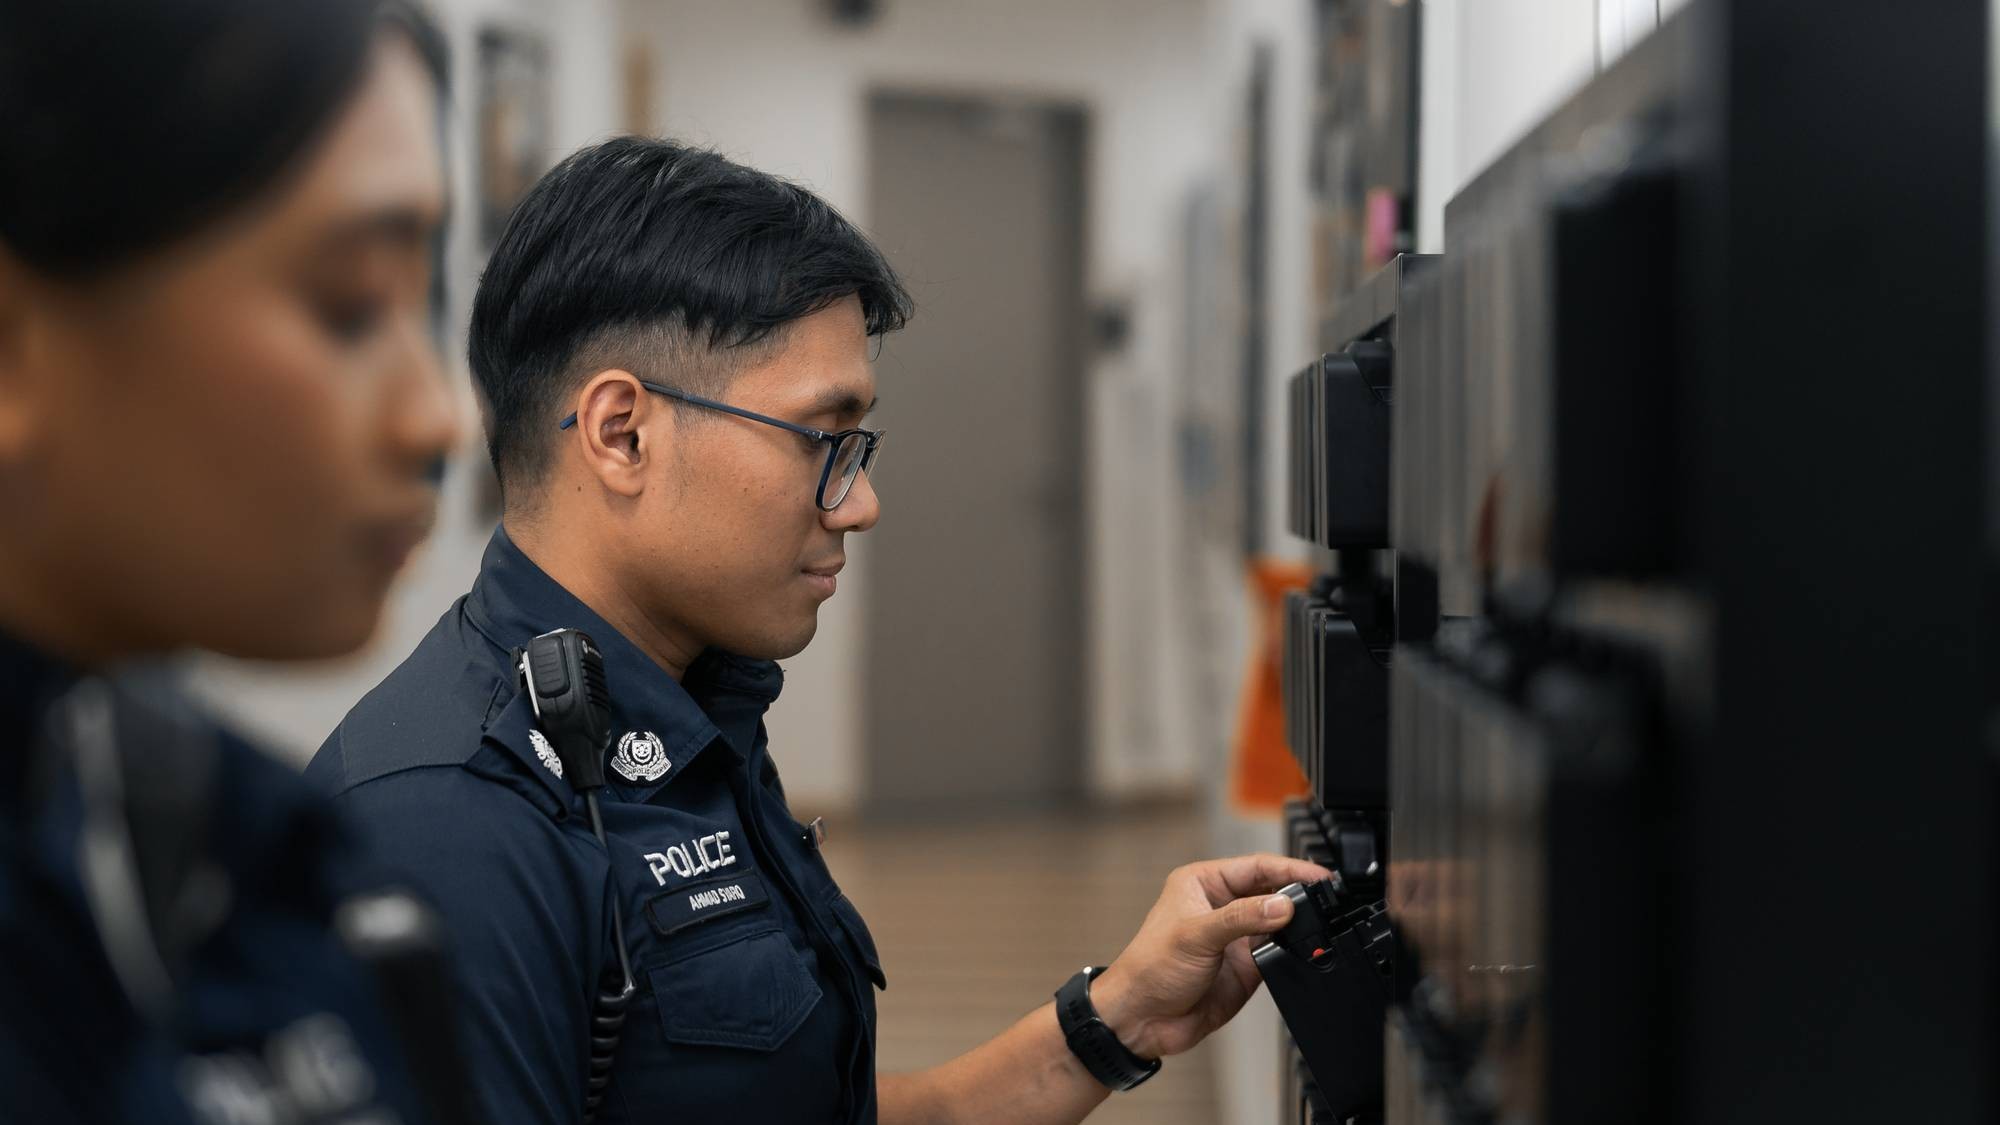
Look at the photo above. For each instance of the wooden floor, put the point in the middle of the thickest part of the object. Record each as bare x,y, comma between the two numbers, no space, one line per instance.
978,923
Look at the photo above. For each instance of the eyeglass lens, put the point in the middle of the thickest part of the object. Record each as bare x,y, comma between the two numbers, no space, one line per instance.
847,459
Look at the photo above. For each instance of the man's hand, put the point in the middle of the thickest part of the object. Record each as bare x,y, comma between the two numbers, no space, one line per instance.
1188,970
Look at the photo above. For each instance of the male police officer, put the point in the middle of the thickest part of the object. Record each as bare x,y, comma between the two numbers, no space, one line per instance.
674,353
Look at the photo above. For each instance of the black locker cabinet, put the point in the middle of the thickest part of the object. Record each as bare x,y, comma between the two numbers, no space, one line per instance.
1651,688
1339,634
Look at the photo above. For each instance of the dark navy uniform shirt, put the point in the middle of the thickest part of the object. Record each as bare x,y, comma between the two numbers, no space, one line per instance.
755,974
269,1021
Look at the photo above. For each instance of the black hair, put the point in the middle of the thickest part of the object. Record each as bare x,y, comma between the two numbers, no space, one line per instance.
129,124
638,235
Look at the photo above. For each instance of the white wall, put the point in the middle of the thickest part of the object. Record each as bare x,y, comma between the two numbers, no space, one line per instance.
1621,24
1491,69
773,83
294,708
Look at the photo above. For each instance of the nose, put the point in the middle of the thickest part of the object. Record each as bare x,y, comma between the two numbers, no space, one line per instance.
858,510
422,423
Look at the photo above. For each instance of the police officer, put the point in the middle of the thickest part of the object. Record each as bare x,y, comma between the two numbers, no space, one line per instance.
674,355
219,421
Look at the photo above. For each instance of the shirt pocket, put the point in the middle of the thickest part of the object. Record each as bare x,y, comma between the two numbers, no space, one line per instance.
750,992
858,936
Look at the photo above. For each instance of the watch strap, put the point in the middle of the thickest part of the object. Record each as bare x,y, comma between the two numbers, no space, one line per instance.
1091,1040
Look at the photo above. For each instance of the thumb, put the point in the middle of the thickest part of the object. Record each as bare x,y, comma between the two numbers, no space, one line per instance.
1212,932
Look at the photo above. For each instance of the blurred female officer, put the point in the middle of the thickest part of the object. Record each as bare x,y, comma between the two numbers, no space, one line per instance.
220,424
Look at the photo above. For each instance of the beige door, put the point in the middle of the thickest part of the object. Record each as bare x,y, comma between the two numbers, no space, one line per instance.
975,616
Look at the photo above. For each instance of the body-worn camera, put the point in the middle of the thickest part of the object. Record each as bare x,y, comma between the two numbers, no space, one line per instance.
1334,971
562,672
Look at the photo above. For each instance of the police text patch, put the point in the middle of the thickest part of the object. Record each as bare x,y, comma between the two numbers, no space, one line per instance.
696,857
711,898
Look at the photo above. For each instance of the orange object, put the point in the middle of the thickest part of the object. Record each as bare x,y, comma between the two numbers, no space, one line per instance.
1262,771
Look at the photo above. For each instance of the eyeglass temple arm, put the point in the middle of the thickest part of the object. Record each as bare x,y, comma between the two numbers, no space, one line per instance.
697,400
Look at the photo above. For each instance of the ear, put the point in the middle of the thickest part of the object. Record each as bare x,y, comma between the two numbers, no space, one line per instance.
620,427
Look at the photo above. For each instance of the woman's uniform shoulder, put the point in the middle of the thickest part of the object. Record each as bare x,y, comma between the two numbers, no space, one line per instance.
178,937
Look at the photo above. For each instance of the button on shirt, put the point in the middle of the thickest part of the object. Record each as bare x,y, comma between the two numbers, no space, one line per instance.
269,1019
755,975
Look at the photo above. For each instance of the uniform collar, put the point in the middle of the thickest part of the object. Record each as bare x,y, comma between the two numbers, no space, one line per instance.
513,600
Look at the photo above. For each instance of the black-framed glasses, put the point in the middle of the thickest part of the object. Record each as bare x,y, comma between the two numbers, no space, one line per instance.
849,453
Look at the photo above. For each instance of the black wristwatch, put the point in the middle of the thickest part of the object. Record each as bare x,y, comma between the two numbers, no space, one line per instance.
1107,1060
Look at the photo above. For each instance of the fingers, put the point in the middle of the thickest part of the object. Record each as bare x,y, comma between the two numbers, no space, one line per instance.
1226,879
1238,962
1234,985
1209,934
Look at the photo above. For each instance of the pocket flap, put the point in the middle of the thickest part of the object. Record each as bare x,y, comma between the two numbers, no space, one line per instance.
751,993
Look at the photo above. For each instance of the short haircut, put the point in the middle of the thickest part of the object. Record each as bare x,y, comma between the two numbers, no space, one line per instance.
669,260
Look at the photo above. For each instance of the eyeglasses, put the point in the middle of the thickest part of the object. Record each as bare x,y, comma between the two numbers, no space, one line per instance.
849,453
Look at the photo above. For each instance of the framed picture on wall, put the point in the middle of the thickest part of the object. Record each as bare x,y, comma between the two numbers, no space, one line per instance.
513,122
1254,155
1364,141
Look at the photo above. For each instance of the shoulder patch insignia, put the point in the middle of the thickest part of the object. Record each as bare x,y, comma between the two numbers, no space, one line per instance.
545,752
640,757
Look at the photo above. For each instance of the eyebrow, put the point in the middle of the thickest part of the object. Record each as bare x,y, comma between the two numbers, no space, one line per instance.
841,401
399,224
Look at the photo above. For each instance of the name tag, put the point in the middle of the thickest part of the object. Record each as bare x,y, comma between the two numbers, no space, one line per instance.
711,898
